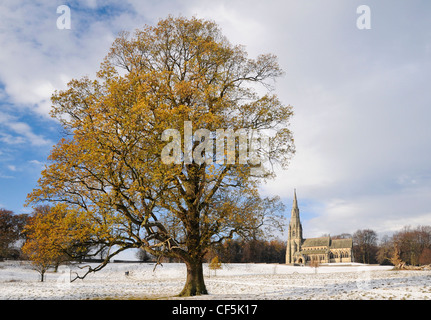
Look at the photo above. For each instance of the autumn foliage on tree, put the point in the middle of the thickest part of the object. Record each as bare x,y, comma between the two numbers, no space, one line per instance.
109,167
215,264
55,235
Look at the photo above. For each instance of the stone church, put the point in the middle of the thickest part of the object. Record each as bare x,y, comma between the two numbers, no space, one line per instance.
324,250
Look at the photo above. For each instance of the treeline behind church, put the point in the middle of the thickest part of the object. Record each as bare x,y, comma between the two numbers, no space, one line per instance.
410,245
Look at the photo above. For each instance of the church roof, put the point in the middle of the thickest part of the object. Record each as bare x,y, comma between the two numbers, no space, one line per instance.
342,243
316,242
327,242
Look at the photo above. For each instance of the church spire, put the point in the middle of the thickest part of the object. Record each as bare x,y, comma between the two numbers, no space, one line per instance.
295,209
294,240
295,222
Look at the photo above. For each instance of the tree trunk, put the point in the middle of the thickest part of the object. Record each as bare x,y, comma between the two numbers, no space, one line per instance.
195,284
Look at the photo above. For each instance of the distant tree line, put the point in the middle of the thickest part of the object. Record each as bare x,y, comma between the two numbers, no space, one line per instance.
11,234
247,251
237,251
411,246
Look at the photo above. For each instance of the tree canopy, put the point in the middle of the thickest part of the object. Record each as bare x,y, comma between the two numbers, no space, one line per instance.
181,75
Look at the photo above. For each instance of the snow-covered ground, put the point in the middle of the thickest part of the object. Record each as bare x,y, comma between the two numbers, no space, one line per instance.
233,281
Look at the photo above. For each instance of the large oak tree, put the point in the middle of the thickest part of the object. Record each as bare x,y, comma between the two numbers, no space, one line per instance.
109,166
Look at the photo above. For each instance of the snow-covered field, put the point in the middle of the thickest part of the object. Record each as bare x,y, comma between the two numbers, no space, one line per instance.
233,281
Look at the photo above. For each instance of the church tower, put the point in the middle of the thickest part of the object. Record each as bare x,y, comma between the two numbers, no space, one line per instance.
294,239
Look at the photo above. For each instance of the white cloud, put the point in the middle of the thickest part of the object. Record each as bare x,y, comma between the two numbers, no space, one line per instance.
37,58
361,108
361,98
383,213
10,139
19,132
25,130
36,162
237,24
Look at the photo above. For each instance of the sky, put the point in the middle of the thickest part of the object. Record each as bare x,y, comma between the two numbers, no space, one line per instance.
361,96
